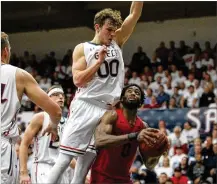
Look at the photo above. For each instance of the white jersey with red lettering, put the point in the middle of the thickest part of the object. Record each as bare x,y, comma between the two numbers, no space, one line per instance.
10,103
108,81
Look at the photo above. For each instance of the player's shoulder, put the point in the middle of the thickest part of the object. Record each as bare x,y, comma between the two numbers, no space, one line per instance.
37,118
79,50
111,115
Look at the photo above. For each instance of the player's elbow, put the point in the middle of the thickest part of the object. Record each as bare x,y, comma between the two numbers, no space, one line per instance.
78,81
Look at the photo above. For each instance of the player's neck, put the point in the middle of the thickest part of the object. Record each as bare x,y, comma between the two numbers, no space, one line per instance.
96,40
130,115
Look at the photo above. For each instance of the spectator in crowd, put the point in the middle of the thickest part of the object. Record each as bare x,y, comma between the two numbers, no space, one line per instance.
147,72
45,83
184,165
207,149
155,85
207,97
190,97
163,178
163,53
135,79
67,58
197,142
213,73
176,96
183,48
189,132
197,170
177,157
174,72
162,126
148,96
197,151
172,103
153,104
180,78
144,82
155,62
190,81
61,71
178,178
168,88
162,96
160,72
208,50
165,168
198,89
177,140
207,61
126,81
139,61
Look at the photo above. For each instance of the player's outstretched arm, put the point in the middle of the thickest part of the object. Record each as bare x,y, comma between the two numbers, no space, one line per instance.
38,96
126,29
81,74
32,129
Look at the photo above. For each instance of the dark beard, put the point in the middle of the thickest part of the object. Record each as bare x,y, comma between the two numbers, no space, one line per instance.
132,105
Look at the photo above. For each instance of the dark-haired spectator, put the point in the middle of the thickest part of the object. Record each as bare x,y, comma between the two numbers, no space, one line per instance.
197,171
155,85
172,103
176,96
160,72
183,48
190,97
162,96
180,78
163,53
190,81
207,60
184,165
207,150
198,89
208,50
190,133
67,58
178,178
155,62
163,178
139,61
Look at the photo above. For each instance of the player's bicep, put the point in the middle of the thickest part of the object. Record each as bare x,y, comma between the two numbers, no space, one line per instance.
106,123
33,128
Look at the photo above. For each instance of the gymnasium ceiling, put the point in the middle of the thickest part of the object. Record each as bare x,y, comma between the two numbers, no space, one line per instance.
22,16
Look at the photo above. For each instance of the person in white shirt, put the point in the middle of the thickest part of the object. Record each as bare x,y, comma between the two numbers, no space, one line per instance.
135,79
190,81
212,73
160,72
174,73
198,89
207,61
165,168
180,78
176,139
190,133
155,85
176,159
191,98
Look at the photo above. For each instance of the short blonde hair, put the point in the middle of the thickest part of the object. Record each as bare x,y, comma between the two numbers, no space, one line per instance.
4,40
108,13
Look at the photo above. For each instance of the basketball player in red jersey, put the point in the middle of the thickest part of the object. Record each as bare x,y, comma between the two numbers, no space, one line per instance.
121,130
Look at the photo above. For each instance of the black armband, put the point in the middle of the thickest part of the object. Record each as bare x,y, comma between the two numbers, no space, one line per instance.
133,136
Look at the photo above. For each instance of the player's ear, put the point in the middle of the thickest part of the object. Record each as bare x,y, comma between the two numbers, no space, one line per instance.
97,27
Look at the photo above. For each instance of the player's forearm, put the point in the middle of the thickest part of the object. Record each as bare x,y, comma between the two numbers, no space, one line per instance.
23,157
81,78
136,8
111,140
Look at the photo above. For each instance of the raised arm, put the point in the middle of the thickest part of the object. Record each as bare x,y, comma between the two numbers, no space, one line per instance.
38,96
126,29
33,128
81,74
104,137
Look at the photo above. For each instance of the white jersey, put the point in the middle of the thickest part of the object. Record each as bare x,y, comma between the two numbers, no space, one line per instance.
107,84
10,103
45,150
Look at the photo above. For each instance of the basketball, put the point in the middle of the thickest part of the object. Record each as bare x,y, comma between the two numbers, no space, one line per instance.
161,146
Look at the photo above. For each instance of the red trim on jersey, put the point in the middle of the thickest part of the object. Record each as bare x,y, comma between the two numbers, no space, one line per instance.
72,148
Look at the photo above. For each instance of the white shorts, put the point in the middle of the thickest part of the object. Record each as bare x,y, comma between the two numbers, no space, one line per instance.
80,127
40,173
8,161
